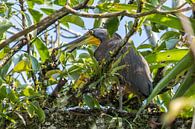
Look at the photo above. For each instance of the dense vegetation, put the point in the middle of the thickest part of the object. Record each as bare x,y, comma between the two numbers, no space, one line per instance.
43,85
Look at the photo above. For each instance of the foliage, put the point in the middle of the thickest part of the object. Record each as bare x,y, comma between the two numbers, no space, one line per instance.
32,64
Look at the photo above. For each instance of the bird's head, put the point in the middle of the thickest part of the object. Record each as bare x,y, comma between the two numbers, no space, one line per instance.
93,36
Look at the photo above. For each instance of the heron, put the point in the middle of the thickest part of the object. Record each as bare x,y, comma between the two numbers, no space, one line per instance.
135,75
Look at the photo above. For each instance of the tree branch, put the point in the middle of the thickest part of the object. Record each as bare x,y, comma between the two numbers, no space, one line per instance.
40,26
123,13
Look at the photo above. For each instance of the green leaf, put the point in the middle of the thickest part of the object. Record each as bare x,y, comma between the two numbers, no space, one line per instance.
35,64
60,2
169,35
31,3
30,109
28,91
73,19
190,91
12,95
187,82
53,73
3,92
112,25
145,46
3,8
84,55
4,69
168,55
40,113
4,25
170,39
97,23
35,14
42,49
91,101
48,11
4,51
23,65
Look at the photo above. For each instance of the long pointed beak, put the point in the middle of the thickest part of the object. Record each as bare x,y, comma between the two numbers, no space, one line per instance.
87,38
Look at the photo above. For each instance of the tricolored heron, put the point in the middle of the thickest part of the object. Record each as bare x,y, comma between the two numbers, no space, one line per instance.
136,75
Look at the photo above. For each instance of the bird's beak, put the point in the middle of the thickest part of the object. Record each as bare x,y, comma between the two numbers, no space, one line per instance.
87,38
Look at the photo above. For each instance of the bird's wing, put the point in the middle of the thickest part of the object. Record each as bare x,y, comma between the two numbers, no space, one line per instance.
136,72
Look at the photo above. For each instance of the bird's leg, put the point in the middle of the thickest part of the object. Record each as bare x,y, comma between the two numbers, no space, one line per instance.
120,98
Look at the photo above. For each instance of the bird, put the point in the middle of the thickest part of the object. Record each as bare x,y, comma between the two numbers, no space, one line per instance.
135,75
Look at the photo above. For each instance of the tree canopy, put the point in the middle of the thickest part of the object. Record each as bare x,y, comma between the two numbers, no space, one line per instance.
42,83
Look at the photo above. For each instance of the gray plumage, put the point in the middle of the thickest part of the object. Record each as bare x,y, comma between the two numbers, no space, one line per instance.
136,75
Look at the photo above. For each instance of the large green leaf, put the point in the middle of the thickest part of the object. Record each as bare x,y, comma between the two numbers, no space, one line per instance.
168,55
112,25
42,49
4,25
73,19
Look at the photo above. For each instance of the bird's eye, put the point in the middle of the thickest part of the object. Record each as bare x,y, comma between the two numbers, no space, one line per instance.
91,32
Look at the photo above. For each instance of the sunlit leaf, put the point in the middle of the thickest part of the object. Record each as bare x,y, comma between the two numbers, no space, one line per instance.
23,65
60,2
4,51
28,91
32,2
168,55
42,49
